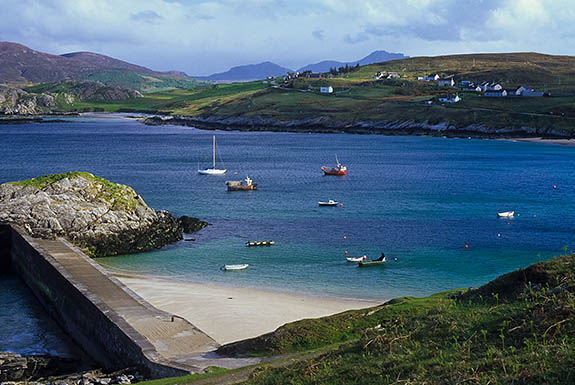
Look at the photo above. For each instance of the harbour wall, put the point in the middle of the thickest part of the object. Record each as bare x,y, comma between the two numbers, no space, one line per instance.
96,327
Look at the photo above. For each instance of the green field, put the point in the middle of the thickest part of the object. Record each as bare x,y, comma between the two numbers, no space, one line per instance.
358,97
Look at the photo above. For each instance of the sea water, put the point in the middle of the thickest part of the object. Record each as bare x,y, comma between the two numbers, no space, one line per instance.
421,200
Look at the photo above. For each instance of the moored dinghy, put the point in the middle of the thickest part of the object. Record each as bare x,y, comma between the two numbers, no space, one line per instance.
374,262
331,202
235,267
506,214
260,243
356,259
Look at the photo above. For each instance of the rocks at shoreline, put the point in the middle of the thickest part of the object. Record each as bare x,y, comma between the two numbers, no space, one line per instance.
100,217
46,369
15,367
324,124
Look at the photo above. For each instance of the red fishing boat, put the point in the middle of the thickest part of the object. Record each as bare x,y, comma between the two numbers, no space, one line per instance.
337,170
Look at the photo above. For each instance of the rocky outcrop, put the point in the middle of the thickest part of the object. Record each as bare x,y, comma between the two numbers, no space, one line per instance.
191,225
324,124
14,101
98,216
96,91
17,369
14,367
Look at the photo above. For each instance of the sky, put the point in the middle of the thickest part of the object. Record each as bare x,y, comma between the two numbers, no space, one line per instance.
202,37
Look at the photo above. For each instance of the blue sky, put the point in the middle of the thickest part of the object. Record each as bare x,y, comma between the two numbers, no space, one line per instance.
206,36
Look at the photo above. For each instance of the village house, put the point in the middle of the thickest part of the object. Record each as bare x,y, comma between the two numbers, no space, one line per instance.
527,92
486,86
326,90
393,75
450,99
378,75
431,78
314,75
446,82
495,93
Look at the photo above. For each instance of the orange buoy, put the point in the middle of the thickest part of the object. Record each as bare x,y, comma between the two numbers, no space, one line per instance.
554,187
466,246
345,237
345,252
341,205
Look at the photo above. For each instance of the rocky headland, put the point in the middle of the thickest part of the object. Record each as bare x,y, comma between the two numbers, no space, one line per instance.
56,97
99,217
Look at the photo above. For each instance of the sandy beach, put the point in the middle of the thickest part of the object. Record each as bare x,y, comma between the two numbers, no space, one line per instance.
230,314
564,142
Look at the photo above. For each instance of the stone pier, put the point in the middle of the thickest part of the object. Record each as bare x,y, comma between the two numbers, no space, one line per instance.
113,325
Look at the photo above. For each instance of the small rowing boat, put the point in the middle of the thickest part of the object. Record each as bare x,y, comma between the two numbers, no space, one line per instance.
374,262
356,259
331,202
235,267
260,243
506,214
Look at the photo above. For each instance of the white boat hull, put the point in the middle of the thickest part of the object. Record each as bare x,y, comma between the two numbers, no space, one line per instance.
355,259
236,267
506,214
212,171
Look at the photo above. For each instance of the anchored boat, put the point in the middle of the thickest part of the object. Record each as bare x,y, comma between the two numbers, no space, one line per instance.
213,170
506,214
236,185
356,259
260,243
374,262
331,202
235,267
337,170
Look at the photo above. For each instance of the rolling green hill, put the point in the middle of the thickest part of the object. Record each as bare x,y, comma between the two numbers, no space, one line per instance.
382,105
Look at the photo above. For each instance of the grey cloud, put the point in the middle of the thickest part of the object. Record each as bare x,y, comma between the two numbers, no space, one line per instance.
318,34
148,16
470,16
357,38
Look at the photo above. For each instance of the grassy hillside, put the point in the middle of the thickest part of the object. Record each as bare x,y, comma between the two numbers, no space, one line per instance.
517,329
358,98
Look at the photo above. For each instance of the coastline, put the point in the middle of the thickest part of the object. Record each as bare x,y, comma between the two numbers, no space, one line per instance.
229,314
324,124
556,141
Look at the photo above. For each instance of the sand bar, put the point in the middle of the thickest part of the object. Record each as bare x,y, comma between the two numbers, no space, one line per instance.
230,314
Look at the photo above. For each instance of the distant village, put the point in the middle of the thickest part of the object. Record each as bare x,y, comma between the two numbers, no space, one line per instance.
486,89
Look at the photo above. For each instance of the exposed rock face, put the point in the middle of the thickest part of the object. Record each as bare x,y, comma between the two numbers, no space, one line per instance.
14,101
100,217
14,367
191,225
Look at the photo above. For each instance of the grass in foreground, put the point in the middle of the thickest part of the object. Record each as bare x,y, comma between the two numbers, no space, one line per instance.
517,329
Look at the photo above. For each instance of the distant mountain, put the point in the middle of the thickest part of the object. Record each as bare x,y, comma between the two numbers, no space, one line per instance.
106,62
374,57
248,72
22,65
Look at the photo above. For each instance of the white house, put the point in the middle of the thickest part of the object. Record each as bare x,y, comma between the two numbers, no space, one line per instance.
326,90
431,78
378,75
450,99
486,86
528,92
446,82
495,93
392,75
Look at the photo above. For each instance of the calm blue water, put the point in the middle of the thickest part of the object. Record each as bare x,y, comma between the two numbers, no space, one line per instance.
418,199
26,328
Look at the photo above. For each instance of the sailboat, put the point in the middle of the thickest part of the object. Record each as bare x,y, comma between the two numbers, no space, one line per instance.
213,170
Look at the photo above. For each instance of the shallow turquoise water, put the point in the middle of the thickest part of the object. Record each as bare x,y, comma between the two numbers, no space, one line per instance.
419,199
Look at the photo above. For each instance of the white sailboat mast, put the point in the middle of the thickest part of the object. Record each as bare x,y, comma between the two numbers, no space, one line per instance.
214,152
